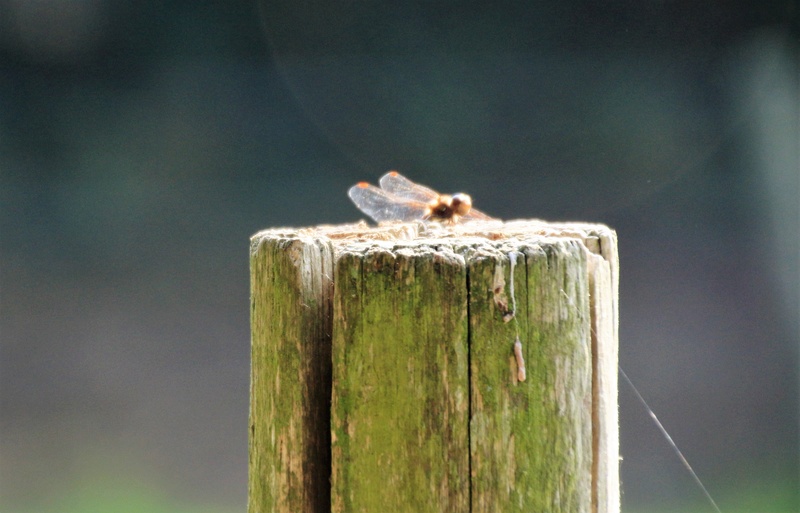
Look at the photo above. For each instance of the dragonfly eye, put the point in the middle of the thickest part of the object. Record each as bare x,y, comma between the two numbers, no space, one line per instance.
461,204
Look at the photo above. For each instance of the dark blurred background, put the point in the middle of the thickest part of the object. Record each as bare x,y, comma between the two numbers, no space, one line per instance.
141,145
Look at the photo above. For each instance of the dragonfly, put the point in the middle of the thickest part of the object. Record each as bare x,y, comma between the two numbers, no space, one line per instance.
400,199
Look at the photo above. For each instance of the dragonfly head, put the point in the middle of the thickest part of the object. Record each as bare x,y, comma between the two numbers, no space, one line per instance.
461,204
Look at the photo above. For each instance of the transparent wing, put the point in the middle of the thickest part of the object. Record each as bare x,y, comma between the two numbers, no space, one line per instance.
477,215
381,206
398,185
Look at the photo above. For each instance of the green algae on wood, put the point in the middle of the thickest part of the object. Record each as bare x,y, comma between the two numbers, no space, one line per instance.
400,380
531,440
289,433
427,409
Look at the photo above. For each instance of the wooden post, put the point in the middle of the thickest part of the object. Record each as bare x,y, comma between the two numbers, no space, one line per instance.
417,367
290,373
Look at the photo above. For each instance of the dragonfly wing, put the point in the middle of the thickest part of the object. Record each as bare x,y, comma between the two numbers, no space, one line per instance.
383,206
477,215
398,185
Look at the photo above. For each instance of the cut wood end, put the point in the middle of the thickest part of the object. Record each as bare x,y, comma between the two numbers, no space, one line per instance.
592,235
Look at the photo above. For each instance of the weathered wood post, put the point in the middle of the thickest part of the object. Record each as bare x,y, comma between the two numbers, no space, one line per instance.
417,367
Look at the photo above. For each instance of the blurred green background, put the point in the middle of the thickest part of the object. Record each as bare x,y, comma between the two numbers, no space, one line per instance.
141,145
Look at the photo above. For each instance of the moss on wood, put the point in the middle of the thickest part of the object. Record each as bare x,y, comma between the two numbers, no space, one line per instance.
384,374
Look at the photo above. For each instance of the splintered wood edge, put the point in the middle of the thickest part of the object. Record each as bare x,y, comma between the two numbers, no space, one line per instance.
597,238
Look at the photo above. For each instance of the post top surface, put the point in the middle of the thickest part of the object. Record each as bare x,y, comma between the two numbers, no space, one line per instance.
426,232
358,237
